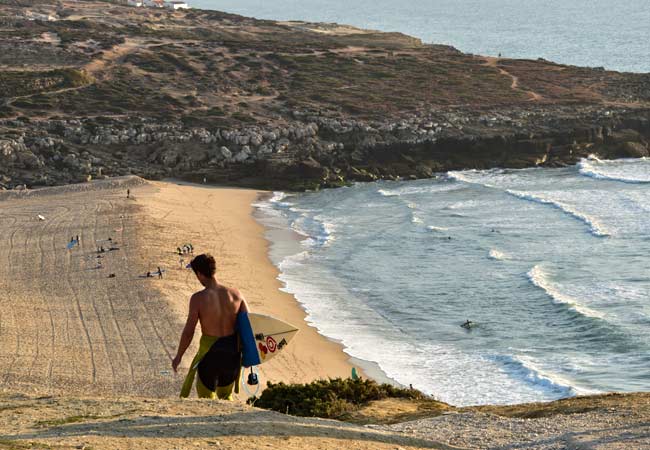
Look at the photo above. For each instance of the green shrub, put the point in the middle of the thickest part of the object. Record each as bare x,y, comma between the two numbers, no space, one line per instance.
331,398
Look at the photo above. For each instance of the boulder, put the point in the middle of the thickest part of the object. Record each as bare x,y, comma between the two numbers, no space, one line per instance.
29,160
310,168
226,153
256,139
71,161
243,154
633,150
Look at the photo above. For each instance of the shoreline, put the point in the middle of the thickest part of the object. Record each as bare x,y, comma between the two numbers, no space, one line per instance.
93,322
278,233
237,240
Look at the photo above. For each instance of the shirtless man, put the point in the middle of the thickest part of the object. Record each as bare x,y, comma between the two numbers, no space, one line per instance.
218,360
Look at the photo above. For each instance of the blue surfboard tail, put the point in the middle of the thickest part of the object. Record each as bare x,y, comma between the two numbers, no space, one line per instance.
250,356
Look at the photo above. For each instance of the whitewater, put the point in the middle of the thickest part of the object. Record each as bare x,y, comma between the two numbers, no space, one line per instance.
551,264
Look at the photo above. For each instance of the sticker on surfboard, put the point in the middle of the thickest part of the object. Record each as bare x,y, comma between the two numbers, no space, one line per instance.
262,337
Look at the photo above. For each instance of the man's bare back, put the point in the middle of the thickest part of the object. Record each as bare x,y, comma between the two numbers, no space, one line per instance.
217,307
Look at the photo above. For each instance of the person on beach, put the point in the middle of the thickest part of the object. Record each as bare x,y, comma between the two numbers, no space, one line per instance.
128,193
160,273
218,361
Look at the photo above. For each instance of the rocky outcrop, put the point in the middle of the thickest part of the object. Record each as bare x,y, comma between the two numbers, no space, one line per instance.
314,150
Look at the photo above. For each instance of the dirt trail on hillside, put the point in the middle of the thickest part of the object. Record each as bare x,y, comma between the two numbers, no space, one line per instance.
110,56
494,62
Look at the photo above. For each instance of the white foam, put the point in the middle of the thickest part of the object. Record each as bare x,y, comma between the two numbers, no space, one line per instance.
461,176
388,193
467,204
415,219
596,228
410,190
293,261
337,313
272,206
636,171
497,255
540,278
317,230
524,368
472,177
435,228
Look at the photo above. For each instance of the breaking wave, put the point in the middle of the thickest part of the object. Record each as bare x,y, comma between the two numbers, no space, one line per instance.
635,171
524,369
595,228
540,278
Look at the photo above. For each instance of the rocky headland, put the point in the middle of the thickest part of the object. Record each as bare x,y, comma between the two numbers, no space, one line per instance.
102,90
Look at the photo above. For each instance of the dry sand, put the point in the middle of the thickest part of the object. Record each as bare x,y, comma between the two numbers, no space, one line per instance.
66,327
219,221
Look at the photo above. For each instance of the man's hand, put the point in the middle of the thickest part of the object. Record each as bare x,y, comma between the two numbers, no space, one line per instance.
188,331
175,362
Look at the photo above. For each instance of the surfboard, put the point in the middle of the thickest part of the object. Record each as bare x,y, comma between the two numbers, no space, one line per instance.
262,337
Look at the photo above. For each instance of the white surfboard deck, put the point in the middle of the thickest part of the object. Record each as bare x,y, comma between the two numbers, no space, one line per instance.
271,335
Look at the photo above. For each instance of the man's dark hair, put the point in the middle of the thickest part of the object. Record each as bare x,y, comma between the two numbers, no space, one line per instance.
204,264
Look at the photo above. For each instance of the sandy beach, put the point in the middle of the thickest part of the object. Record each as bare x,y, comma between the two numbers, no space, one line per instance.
71,322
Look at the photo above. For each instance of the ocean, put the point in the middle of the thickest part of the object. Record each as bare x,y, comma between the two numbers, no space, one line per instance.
598,33
550,265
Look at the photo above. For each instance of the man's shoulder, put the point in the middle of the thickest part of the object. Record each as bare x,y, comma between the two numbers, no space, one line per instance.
232,292
198,295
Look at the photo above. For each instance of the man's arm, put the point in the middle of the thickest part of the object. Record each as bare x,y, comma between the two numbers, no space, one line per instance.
188,331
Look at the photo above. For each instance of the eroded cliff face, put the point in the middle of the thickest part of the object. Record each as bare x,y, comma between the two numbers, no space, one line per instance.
109,90
314,151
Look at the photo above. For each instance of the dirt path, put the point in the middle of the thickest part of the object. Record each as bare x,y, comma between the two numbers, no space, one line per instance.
109,57
94,68
494,62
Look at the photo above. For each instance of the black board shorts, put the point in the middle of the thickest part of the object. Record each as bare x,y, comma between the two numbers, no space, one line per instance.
220,366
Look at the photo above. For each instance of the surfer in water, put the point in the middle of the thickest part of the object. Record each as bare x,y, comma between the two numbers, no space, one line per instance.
218,360
468,325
